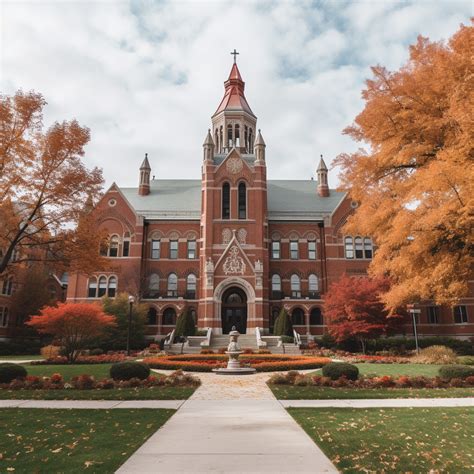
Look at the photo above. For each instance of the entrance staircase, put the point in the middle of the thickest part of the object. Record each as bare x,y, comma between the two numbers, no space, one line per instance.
195,344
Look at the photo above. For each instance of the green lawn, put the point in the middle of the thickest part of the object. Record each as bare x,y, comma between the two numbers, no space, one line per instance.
393,439
395,370
153,393
99,371
290,392
21,357
44,441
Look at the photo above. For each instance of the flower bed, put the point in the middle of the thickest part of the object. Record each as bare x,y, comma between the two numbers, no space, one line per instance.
88,382
261,362
100,359
386,381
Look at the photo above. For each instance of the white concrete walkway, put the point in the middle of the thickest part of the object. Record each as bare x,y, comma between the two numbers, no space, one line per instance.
230,424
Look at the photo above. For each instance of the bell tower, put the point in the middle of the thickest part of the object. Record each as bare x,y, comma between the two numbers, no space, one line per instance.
234,123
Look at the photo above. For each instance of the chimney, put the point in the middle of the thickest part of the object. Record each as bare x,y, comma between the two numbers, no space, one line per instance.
144,184
322,173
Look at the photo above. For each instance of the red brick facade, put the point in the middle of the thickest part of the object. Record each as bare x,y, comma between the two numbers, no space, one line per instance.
250,245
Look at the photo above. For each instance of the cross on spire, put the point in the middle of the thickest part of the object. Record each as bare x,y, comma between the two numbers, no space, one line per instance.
235,53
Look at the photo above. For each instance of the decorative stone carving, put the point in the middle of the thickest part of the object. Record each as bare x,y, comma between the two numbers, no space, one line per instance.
258,266
191,235
294,236
226,236
311,236
209,273
234,263
258,274
234,165
173,235
242,236
276,236
209,265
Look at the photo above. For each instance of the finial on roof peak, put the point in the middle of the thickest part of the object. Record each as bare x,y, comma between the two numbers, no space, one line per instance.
322,165
146,164
235,53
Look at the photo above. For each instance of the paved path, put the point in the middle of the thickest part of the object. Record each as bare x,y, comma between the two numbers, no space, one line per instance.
230,424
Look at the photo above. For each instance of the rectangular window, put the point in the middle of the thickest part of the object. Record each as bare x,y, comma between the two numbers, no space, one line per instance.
359,249
276,246
294,250
349,247
4,316
460,314
173,249
126,248
191,249
433,314
312,250
155,249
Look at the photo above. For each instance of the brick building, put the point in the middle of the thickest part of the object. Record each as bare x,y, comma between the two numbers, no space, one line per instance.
234,247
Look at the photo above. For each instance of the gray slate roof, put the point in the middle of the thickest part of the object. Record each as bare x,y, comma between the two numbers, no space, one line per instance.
181,199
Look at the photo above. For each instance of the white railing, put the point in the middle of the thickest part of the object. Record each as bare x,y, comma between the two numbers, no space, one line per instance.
207,342
260,343
297,337
169,339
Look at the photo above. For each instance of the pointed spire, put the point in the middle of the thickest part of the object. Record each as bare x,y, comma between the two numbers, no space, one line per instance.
235,74
259,140
89,204
146,164
322,166
208,140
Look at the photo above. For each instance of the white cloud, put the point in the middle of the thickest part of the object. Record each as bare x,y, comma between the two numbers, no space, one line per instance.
147,76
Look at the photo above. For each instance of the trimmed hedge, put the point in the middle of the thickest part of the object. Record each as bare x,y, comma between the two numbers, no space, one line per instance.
20,347
9,372
336,370
129,370
456,371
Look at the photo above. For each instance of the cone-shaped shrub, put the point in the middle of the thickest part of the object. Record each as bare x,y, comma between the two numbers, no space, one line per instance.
185,325
283,325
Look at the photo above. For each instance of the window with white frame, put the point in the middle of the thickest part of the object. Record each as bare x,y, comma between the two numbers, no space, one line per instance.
368,247
173,249
92,288
112,287
126,245
359,248
191,249
7,286
295,283
191,286
113,246
276,249
460,314
313,285
294,250
349,247
3,316
154,285
276,286
172,285
102,286
155,249
312,250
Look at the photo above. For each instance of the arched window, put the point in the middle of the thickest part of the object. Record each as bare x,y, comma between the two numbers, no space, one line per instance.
276,283
172,285
359,249
226,201
169,317
242,201
313,285
237,135
216,139
295,286
126,244
349,247
221,139
230,140
368,249
250,141
154,286
191,286
7,287
315,317
112,288
246,138
114,246
297,317
152,317
102,286
92,288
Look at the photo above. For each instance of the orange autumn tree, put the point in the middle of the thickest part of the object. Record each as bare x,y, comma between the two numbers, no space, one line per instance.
353,308
73,325
43,187
415,180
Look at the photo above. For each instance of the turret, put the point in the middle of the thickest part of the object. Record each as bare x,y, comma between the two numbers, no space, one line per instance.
208,147
259,148
322,172
144,184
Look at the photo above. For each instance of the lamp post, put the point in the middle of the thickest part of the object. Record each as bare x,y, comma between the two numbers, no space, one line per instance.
414,312
131,300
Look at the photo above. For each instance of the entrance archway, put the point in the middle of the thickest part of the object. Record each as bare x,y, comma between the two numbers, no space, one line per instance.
234,310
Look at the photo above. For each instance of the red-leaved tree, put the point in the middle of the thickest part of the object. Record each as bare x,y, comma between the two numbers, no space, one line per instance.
353,309
73,324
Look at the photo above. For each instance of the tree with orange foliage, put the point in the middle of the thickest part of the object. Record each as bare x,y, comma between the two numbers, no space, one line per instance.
43,188
415,182
74,325
353,309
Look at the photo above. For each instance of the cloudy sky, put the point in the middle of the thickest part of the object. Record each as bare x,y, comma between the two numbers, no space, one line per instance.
146,76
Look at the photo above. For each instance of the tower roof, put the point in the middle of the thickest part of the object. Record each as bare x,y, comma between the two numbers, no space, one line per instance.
208,140
145,165
259,140
322,166
234,97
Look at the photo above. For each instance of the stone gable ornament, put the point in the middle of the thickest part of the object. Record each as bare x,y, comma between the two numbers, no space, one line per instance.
242,236
234,263
234,165
209,266
226,236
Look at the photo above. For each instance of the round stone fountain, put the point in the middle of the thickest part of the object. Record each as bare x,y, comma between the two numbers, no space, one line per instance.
233,365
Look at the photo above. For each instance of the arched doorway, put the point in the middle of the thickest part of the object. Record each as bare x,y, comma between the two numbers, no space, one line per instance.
234,310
